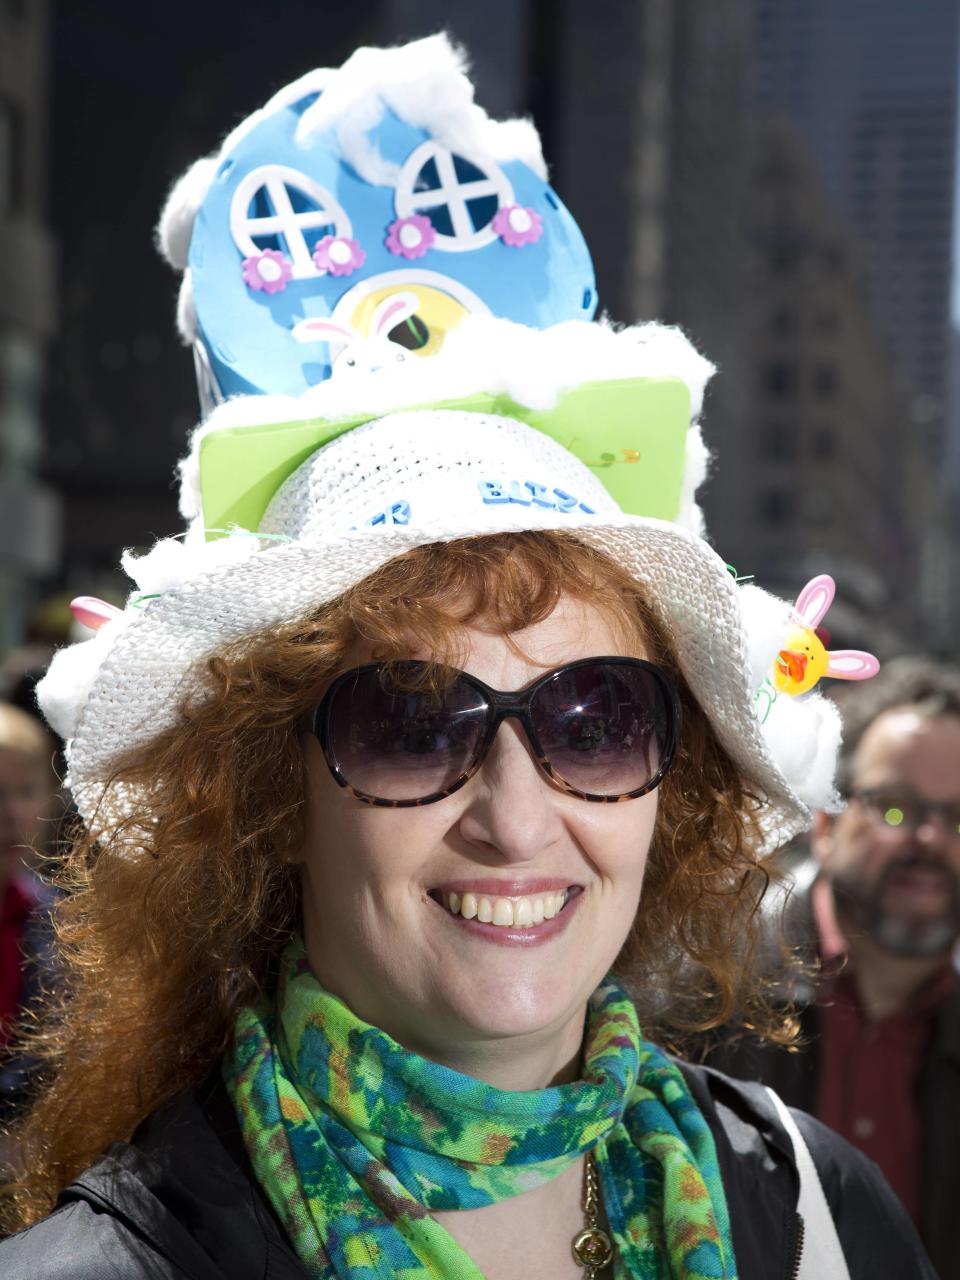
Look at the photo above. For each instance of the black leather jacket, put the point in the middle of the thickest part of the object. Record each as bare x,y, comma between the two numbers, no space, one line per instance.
181,1203
795,1077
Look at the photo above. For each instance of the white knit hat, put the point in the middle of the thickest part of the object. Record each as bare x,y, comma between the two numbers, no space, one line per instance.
419,475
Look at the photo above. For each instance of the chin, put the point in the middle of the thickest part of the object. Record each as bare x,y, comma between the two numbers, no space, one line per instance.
519,995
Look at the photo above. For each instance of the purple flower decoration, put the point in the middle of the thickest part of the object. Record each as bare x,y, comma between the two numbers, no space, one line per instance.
516,225
338,255
267,272
411,237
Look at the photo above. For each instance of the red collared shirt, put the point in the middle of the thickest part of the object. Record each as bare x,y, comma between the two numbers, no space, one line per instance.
869,1075
16,904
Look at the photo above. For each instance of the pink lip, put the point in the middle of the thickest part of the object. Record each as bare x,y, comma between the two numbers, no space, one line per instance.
503,936
505,888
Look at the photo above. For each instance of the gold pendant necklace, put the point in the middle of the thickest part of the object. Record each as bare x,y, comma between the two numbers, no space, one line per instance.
592,1247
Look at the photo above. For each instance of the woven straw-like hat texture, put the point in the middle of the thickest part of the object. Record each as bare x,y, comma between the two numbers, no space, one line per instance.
155,661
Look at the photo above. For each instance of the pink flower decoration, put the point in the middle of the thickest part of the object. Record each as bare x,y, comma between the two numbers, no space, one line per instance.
411,237
516,225
267,272
338,255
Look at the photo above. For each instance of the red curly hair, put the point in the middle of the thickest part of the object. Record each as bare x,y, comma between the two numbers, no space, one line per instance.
175,918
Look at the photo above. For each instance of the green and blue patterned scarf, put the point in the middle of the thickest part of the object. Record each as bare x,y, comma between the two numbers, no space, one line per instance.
355,1140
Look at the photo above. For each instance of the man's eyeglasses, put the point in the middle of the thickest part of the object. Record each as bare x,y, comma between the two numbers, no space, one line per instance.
904,811
603,729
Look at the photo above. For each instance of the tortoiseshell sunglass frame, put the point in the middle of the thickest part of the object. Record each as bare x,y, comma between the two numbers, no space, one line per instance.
501,706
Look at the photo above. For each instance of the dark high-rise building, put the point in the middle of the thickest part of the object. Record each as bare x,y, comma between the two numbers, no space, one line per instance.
871,86
29,524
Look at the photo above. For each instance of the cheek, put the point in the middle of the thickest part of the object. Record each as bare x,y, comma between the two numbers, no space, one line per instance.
353,850
616,839
857,844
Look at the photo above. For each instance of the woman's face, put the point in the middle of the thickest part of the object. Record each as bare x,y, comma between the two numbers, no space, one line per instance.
377,881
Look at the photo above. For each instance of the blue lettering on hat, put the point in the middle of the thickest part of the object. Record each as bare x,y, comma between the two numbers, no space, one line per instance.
518,494
492,491
527,492
538,495
396,513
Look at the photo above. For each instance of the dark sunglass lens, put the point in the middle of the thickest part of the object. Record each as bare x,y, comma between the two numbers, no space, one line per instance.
395,741
606,729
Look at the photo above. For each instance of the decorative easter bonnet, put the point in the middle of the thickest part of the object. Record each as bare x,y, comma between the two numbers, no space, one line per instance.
371,202
294,494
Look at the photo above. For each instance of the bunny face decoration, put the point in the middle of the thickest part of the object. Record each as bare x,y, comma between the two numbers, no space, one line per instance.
354,352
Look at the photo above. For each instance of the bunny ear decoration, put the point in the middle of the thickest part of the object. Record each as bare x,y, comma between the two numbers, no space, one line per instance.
320,329
814,600
851,664
391,312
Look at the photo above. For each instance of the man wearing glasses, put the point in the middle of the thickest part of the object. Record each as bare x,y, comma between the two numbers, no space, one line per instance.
878,905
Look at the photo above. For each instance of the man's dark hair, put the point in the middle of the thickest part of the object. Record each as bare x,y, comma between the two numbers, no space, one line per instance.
926,687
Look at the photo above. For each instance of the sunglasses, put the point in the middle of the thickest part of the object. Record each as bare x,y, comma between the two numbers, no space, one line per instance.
394,734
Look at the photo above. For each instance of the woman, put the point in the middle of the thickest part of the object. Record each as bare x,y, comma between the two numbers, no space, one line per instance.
375,805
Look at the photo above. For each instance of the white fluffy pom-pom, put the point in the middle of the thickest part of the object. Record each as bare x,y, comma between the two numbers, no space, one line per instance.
803,736
64,689
164,567
174,561
766,620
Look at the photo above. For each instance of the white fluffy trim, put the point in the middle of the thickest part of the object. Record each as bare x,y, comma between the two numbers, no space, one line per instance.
802,734
532,366
766,620
64,689
171,563
180,210
424,83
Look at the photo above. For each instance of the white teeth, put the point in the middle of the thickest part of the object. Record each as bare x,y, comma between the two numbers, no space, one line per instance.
518,913
502,911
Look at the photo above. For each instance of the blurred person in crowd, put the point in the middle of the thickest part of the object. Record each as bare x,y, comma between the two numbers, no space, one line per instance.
877,907
27,802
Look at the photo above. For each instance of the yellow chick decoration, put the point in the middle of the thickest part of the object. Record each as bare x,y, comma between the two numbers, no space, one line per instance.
804,659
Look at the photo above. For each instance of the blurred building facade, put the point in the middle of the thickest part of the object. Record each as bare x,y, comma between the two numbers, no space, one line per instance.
777,177
871,86
831,473
29,510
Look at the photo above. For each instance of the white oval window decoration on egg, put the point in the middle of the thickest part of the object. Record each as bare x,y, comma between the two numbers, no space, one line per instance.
459,196
277,207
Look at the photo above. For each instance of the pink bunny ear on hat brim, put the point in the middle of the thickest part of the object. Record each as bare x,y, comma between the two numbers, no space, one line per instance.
815,599
852,664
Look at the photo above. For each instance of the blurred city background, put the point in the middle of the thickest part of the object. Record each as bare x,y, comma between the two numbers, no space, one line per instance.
776,176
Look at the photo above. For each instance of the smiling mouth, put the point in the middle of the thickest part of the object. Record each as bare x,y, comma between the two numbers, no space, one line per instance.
515,912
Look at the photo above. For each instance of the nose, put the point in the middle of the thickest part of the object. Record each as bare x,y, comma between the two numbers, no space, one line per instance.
932,831
512,808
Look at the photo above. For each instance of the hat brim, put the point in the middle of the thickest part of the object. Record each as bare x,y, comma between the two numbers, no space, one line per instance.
154,662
